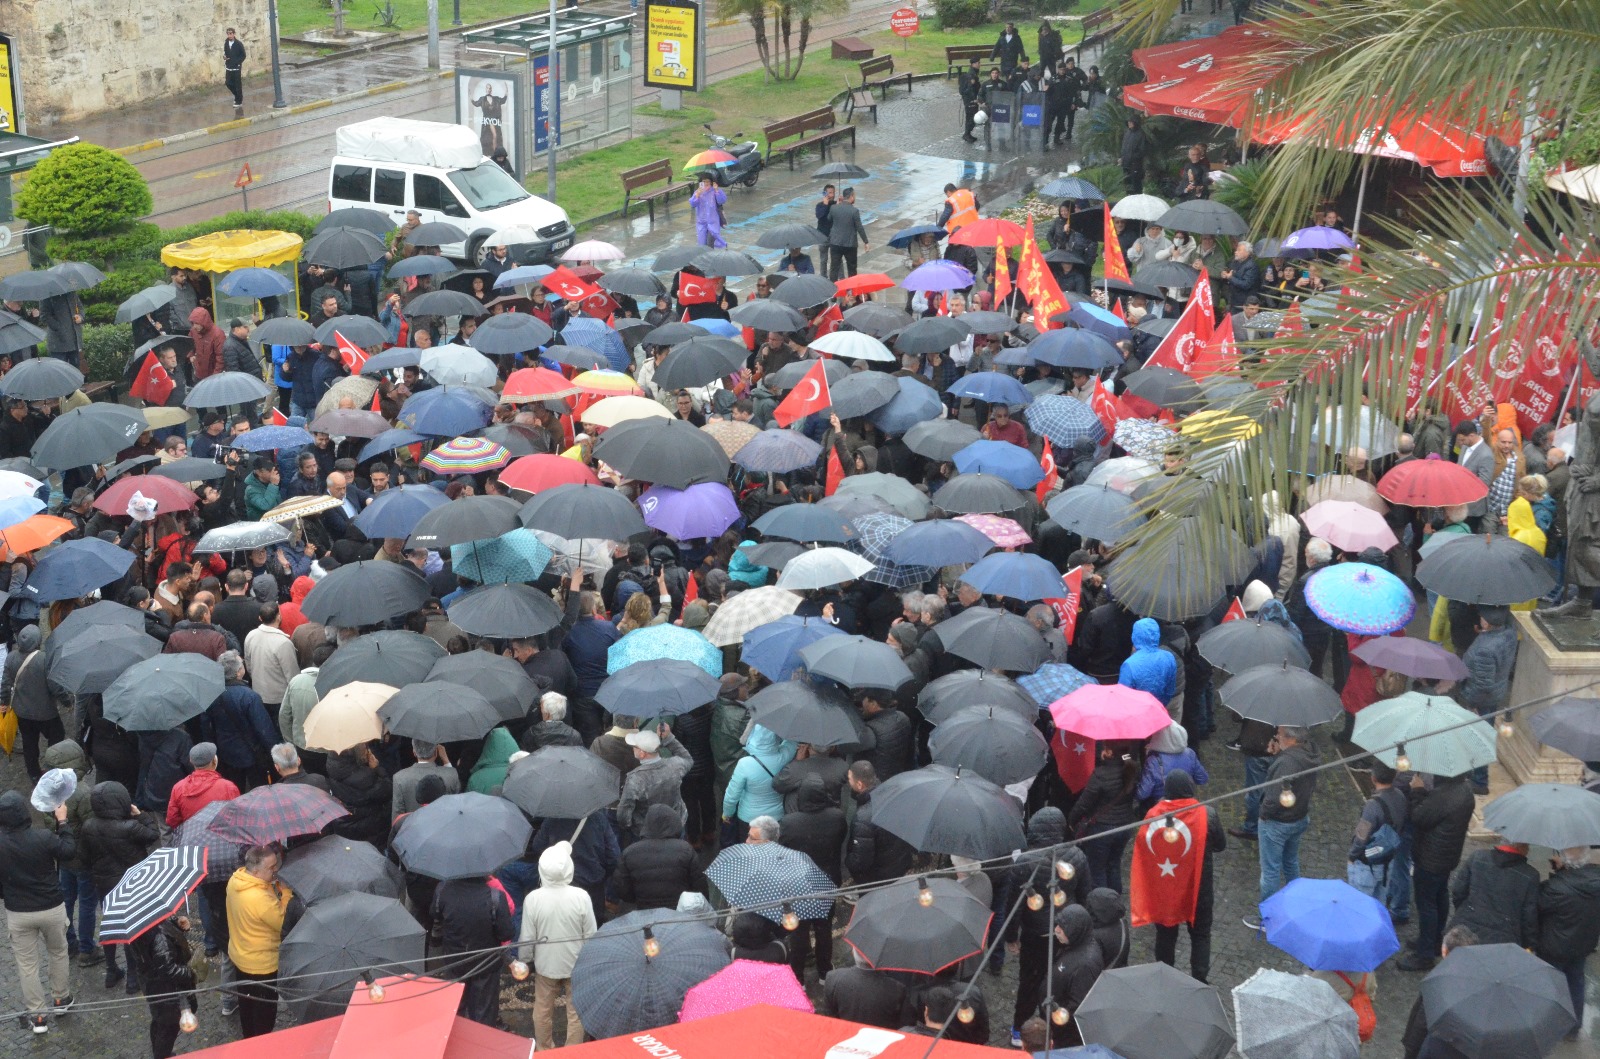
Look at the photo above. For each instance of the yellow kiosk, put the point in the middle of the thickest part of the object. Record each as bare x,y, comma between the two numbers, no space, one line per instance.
220,253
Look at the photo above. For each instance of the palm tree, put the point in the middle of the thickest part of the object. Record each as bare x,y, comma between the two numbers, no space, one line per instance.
774,23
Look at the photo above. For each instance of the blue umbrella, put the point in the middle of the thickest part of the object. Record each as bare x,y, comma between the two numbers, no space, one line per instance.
1001,459
778,451
1093,318
388,441
1360,598
1329,925
390,359
992,387
255,283
589,333
512,558
664,641
1015,357
700,511
938,275
73,569
18,508
396,511
263,439
916,403
773,649
1052,681
513,277
1015,575
874,531
1064,420
1074,347
942,542
1070,187
444,412
721,328
906,236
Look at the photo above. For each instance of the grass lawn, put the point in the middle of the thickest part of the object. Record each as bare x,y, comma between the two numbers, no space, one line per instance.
297,16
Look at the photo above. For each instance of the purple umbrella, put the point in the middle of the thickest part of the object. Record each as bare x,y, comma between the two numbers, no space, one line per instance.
1093,318
1317,237
1413,657
703,510
938,275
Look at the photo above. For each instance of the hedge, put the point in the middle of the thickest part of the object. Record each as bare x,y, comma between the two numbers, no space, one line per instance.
105,351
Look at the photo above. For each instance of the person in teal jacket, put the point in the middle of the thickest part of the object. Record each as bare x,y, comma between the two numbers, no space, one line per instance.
490,771
750,792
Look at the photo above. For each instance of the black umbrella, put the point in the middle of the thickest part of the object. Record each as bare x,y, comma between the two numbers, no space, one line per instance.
839,171
783,236
670,452
162,692
387,657
1571,725
700,361
863,392
91,434
576,512
34,286
1064,257
334,865
1164,387
444,303
1556,815
94,618
856,662
1497,1001
73,569
364,593
712,262
364,331
946,810
931,334
87,665
80,275
804,291
226,388
283,331
509,334
505,612
1168,274
183,344
775,555
621,984
805,713
562,783
994,742
17,334
768,314
341,939
1153,1010
438,712
981,322
143,303
517,439
462,836
634,282
467,518
673,332
940,439
434,233
1236,646
674,258
1158,326
342,248
943,698
1096,512
367,220
497,678
994,639
1487,570
1281,694
978,494
895,931
657,687
40,379
191,469
876,319
1203,217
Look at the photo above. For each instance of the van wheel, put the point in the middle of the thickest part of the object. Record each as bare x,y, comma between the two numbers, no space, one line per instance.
476,251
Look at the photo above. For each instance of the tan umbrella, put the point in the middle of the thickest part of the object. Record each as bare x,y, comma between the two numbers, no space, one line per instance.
301,507
165,417
347,717
731,434
613,410
1348,488
746,611
359,388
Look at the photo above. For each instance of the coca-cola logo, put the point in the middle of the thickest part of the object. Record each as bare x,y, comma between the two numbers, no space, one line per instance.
1189,112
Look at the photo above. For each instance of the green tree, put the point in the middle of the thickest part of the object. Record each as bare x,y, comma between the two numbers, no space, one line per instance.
775,25
85,189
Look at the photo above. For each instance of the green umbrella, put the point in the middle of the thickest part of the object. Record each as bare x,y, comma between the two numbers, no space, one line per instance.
1404,724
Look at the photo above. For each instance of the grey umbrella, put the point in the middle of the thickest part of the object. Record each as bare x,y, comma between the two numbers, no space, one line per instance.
41,378
562,783
87,665
1175,588
621,985
1487,570
863,392
839,171
1164,387
669,452
804,713
191,469
421,265
578,512
1168,274
87,435
505,612
674,257
510,333
768,314
17,334
876,319
334,865
364,593
242,536
1203,217
1497,1002
804,291
671,333
1281,694
712,262
1556,815
364,331
789,376
386,657
1571,725
943,698
434,233
973,494
940,439
34,286
342,248
634,282
340,939
895,931
994,742
283,331
378,223
931,334
438,712
497,678
145,302
462,836
162,692
994,639
1095,511
444,303
226,388
1293,1016
856,662
80,275
806,523
700,361
783,236
668,687
1155,1012
945,810
1235,646
891,489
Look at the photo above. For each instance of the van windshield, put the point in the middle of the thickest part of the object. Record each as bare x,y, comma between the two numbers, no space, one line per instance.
487,187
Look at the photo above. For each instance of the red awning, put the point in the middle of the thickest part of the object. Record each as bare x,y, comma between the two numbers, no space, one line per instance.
1187,58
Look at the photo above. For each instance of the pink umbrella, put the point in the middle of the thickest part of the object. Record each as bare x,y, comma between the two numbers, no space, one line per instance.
1005,532
1350,526
1110,711
742,984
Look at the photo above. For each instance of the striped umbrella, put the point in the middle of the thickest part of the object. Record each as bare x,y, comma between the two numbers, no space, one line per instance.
150,891
604,383
467,456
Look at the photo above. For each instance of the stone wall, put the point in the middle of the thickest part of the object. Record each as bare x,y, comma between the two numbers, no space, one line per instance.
82,57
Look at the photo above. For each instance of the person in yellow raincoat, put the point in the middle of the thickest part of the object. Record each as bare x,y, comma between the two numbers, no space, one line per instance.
1520,523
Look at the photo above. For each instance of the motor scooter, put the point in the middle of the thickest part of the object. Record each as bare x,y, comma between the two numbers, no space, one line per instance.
744,171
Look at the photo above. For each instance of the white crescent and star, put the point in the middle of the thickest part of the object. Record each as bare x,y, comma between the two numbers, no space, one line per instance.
1160,824
816,390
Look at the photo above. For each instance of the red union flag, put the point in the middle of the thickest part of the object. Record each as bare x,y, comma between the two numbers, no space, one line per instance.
1066,608
1424,365
1116,266
352,355
695,290
1192,333
1002,272
1037,283
153,385
565,282
1546,365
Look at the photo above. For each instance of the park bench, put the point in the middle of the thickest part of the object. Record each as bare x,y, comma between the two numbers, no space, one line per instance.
1099,27
646,175
879,73
859,99
98,391
816,128
853,48
957,57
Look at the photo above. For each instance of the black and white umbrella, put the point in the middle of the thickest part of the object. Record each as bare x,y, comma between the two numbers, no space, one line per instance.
150,891
241,536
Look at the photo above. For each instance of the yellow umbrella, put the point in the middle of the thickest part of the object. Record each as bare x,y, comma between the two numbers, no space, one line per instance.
613,410
1213,425
347,716
165,417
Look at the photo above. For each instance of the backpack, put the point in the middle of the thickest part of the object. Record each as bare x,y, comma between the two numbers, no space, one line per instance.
1361,1003
1382,843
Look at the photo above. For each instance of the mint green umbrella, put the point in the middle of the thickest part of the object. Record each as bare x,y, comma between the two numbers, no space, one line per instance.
1412,723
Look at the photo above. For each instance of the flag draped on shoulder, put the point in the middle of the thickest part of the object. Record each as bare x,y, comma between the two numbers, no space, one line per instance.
1164,883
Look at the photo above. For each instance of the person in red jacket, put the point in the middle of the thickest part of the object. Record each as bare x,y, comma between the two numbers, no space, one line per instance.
199,788
208,342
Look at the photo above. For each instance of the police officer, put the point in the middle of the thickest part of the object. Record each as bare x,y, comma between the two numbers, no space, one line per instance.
971,88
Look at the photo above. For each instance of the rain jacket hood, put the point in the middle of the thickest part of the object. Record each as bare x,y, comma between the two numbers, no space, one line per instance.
813,795
110,801
1105,906
1172,739
660,821
555,865
1047,827
1077,924
13,812
490,771
201,319
1179,784
66,755
28,639
301,588
1146,634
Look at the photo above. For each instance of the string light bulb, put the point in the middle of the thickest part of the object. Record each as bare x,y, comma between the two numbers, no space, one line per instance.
790,920
1170,832
924,893
652,947
187,1021
1058,896
1065,871
1401,762
376,992
1060,1015
519,970
1035,899
965,1013
1286,797
1507,729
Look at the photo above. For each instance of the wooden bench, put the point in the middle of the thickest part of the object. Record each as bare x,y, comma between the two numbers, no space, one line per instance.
100,391
817,128
859,99
646,175
1099,27
881,68
957,57
853,48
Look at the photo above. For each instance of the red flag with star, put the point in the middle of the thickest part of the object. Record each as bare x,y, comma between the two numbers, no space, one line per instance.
691,591
1074,756
1235,612
1108,407
1164,882
1002,272
351,355
695,290
810,395
377,405
1116,310
1047,463
1116,266
568,284
1037,283
278,419
828,321
153,385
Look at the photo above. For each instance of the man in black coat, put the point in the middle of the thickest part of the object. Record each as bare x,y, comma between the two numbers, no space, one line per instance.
472,917
816,828
1079,963
1010,50
892,738
970,86
233,67
661,866
1439,821
821,763
36,916
873,855
1569,918
161,958
1496,896
860,994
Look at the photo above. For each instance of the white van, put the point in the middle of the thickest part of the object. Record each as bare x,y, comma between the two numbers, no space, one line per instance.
397,164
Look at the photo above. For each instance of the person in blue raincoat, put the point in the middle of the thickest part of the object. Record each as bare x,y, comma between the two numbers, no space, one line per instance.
708,200
1150,668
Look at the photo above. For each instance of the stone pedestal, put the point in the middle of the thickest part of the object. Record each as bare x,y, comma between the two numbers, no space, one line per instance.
1543,670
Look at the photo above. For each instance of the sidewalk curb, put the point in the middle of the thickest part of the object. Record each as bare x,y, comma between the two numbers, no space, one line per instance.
278,115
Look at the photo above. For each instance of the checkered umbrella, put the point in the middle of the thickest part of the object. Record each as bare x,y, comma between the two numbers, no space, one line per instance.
874,532
1052,681
277,813
664,641
150,891
224,856
745,611
768,874
1064,420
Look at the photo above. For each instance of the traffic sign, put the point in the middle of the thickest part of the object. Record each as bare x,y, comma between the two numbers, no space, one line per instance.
903,22
245,179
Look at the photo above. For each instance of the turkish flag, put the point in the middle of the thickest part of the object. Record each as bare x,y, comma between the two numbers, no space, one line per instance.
278,419
1002,272
809,395
1066,607
154,385
1108,407
1074,756
1047,463
828,321
1235,612
352,355
1164,882
1192,333
568,284
835,473
599,305
691,591
695,290
377,406
1116,266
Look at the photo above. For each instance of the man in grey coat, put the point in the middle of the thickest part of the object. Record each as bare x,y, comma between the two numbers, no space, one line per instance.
1477,457
655,780
62,317
844,230
25,690
1489,662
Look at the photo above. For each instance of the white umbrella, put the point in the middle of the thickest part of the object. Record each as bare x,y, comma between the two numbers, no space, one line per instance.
857,345
593,250
1139,208
1378,435
453,365
821,568
14,484
1123,473
593,554
512,235
1291,1016
610,411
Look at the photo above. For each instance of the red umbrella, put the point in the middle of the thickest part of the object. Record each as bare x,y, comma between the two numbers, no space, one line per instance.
538,472
168,495
536,384
1110,711
1431,483
986,231
864,283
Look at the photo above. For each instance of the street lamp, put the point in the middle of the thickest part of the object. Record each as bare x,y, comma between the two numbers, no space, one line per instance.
278,102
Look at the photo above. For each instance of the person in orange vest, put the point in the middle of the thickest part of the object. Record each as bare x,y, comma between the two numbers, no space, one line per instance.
960,207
